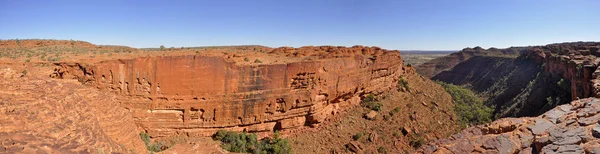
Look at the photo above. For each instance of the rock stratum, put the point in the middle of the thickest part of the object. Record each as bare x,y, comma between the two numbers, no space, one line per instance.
42,115
568,128
198,94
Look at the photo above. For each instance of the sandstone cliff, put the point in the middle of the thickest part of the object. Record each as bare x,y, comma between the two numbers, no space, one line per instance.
564,71
196,95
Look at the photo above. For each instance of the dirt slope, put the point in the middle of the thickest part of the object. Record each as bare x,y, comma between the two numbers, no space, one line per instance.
426,112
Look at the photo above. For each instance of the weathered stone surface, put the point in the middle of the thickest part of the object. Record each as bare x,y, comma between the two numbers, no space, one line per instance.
371,115
532,135
355,147
594,150
500,143
461,147
554,114
61,116
596,131
198,94
540,126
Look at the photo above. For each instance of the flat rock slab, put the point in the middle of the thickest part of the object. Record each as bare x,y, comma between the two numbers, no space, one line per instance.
540,127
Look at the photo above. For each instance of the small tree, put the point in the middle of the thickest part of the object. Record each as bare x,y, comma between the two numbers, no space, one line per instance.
162,47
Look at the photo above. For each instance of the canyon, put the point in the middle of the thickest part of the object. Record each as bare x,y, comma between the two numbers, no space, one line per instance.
510,78
565,122
76,97
187,92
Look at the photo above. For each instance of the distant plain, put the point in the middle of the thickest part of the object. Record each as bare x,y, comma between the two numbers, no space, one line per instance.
418,57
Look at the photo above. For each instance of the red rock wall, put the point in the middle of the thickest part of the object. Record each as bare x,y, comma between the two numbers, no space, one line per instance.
197,95
577,67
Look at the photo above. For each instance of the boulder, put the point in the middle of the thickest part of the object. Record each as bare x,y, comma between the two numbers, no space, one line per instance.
371,115
355,147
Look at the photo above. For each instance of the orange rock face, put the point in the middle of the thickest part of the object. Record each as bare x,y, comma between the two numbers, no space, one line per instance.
575,62
197,95
42,115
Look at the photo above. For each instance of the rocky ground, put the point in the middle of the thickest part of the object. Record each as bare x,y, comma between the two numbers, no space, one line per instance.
43,115
568,128
423,113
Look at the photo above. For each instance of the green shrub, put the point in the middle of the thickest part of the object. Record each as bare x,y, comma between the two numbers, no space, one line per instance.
394,111
357,136
564,84
417,142
382,150
469,108
397,134
403,83
371,102
247,59
248,143
386,117
150,146
257,61
276,145
145,137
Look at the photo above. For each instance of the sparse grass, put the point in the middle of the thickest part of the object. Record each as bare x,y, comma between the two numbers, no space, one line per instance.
394,111
371,102
357,136
57,48
381,150
397,134
402,84
417,142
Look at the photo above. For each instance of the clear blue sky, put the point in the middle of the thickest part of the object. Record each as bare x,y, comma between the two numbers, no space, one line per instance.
392,24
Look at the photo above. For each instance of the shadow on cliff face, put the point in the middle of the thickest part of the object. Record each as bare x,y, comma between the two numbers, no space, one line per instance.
515,87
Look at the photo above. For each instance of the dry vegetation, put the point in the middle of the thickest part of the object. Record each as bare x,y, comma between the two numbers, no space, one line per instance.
405,120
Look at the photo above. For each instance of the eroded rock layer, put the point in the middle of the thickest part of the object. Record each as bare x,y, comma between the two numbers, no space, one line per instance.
196,95
575,62
62,116
569,128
